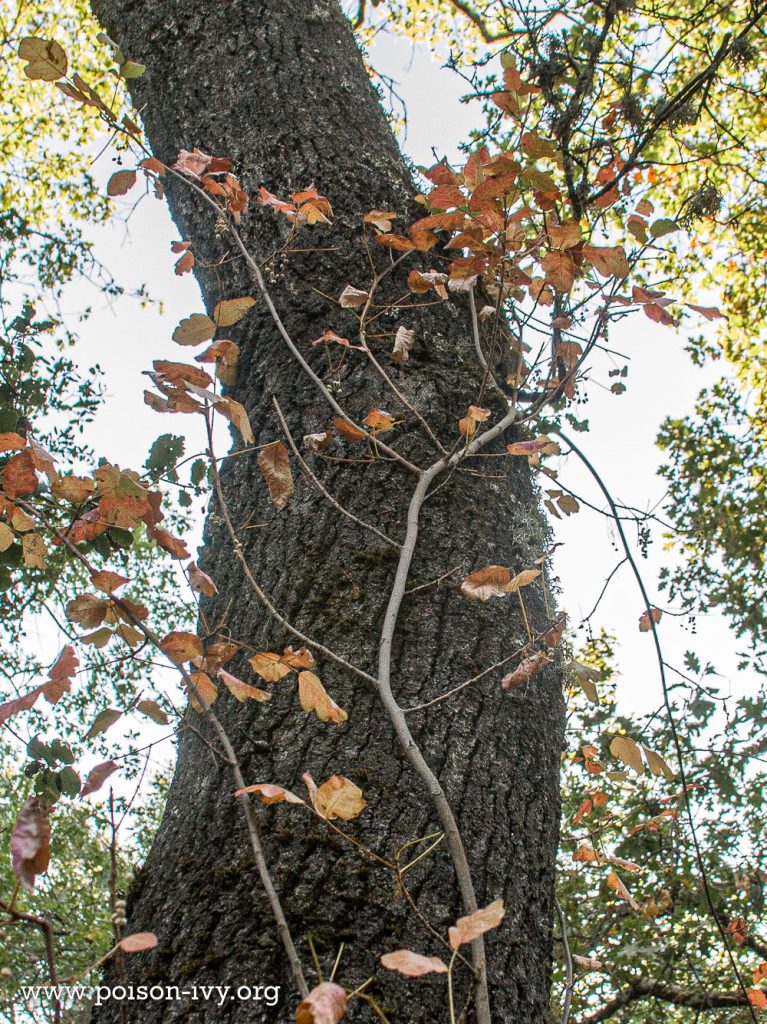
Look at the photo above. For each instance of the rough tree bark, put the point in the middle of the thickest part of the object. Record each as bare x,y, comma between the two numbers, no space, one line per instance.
281,89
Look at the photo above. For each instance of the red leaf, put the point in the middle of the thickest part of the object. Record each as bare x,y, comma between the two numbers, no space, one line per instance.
121,182
97,777
645,624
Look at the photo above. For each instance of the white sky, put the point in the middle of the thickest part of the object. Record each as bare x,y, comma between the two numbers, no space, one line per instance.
662,381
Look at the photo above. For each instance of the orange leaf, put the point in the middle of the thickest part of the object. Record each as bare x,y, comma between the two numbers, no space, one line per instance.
19,476
525,670
269,666
645,622
107,581
348,431
181,647
336,798
11,442
757,998
31,842
200,582
486,583
121,182
314,697
379,420
270,794
242,691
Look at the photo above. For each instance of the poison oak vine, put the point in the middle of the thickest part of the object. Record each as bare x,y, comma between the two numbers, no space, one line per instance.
517,242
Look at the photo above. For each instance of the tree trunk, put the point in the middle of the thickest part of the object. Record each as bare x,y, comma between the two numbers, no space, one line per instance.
281,89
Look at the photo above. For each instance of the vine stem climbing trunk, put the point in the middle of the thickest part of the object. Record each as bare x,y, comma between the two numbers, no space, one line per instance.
282,91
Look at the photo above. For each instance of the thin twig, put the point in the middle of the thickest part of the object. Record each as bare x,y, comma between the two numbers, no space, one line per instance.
568,997
337,505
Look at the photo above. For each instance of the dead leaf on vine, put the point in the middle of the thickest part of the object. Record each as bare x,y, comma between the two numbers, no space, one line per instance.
269,666
525,670
336,798
325,1004
107,581
121,183
486,583
270,794
201,688
180,646
624,749
275,466
352,298
412,965
97,777
139,942
615,883
379,421
348,431
31,842
229,311
242,691
403,343
314,697
46,60
194,329
645,622
468,928
200,582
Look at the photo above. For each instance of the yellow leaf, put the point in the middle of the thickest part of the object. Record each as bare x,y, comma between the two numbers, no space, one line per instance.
230,311
625,750
194,329
314,697
47,61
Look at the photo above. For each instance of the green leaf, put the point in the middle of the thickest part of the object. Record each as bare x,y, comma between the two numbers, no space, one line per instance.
662,227
69,782
130,69
164,454
103,721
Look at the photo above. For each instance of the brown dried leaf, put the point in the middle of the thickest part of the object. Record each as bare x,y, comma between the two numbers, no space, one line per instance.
403,343
230,311
180,646
275,466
